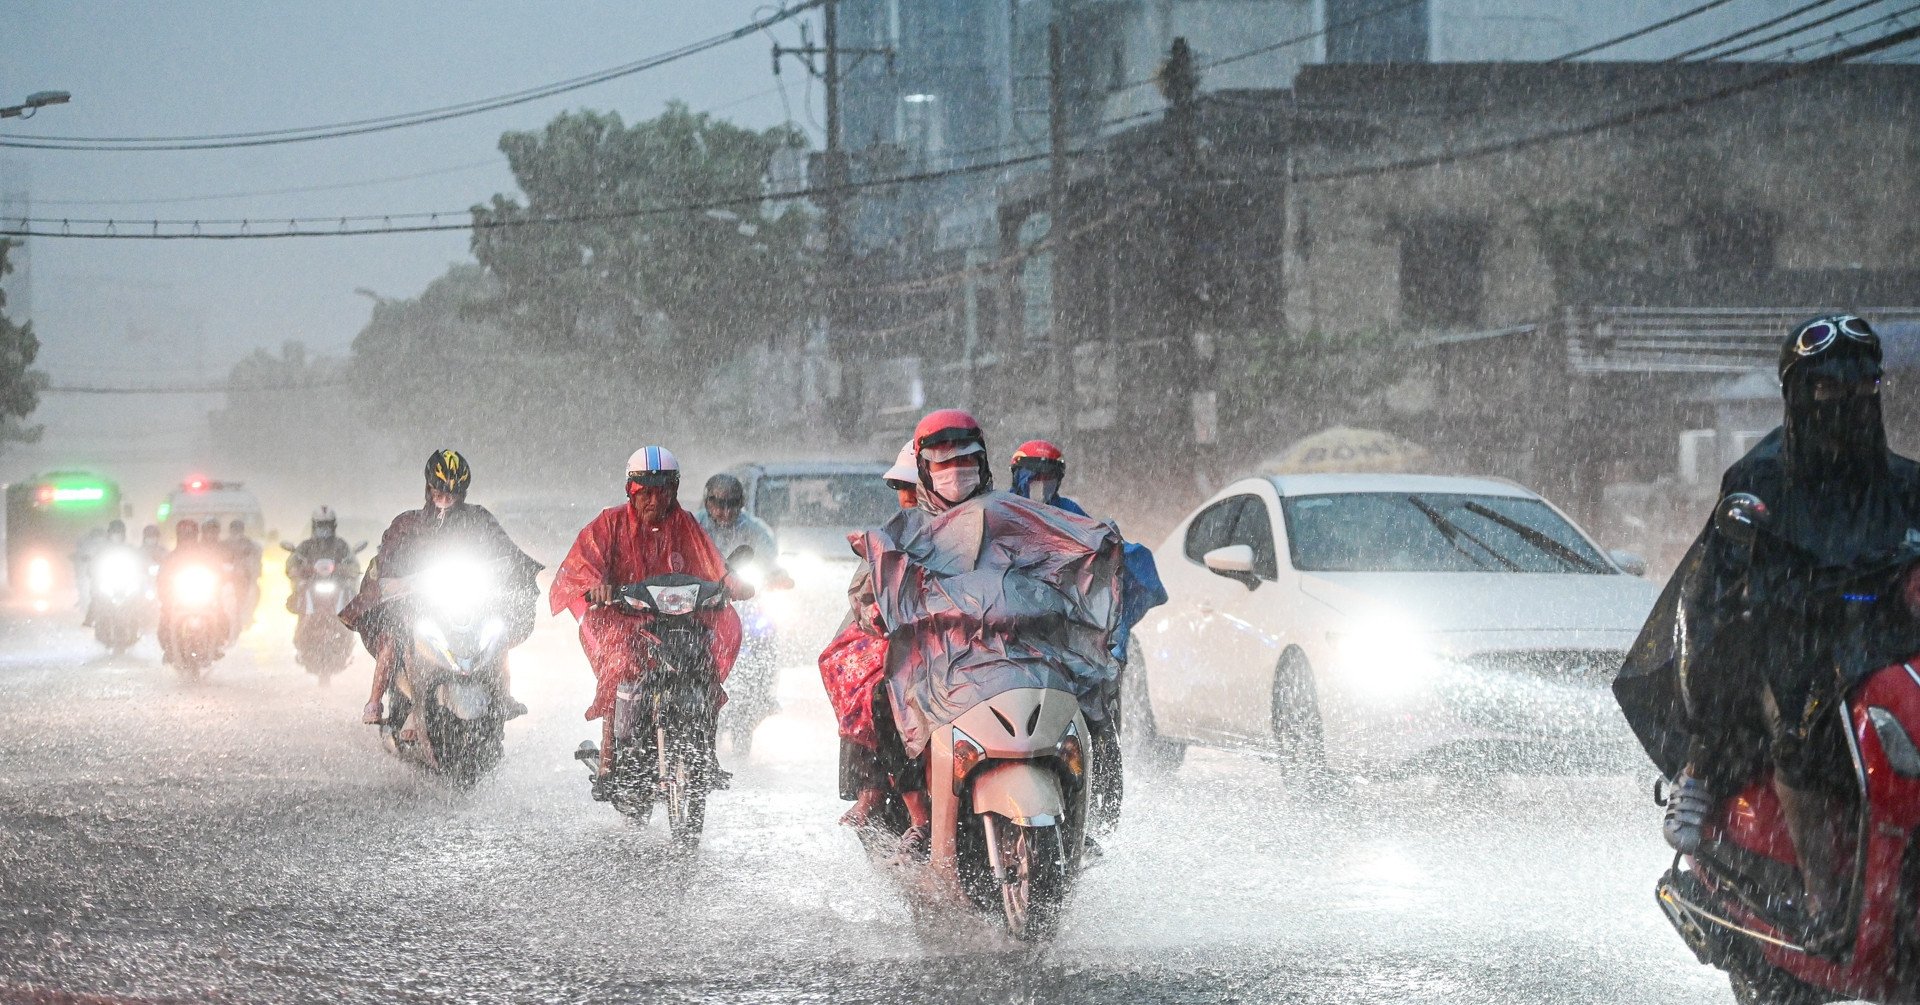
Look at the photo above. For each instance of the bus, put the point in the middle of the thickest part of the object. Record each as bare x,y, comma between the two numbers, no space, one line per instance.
46,517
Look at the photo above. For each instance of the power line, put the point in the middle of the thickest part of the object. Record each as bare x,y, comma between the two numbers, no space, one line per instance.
312,385
301,190
1778,35
1632,116
1638,32
1750,29
1897,17
302,134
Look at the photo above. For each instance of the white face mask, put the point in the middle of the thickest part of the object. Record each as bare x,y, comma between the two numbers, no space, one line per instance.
955,483
1041,489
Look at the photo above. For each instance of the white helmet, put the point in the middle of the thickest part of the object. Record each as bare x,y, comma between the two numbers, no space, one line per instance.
653,466
324,515
905,472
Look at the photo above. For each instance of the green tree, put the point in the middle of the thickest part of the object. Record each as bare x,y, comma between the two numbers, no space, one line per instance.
20,385
699,285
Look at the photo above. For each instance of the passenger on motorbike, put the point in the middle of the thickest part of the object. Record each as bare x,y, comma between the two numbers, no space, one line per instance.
1717,690
445,523
904,477
245,555
723,515
322,543
188,549
151,547
648,535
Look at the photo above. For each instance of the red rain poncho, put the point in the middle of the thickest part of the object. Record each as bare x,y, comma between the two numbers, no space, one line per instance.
618,548
851,666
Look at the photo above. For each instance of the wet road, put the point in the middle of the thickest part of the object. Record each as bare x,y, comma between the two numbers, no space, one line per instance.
246,839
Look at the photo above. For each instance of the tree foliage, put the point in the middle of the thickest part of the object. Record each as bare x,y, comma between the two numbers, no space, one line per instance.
20,384
701,284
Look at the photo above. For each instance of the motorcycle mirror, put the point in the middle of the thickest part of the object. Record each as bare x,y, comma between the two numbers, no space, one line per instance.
741,555
1740,516
358,548
287,545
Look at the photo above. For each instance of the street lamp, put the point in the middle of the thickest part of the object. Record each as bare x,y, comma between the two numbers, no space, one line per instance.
35,101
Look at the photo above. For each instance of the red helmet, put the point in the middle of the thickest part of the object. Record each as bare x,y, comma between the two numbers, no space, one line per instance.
1039,456
949,432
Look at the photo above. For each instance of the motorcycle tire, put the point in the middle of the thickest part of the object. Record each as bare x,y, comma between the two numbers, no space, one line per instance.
465,750
685,788
1035,892
1772,988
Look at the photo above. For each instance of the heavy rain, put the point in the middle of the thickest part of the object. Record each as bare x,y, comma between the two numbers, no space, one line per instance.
1185,501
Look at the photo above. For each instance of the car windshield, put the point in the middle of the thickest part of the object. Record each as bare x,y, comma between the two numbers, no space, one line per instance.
1433,532
854,499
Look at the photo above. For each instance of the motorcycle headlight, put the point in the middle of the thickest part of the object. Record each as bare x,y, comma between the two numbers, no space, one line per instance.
967,755
325,588
457,586
1071,756
196,586
118,574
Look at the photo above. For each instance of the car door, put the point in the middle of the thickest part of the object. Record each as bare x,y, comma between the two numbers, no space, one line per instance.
1244,632
1167,639
1219,634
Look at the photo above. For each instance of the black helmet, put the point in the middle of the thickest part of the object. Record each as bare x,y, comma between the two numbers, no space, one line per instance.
448,472
1842,344
210,527
117,529
186,531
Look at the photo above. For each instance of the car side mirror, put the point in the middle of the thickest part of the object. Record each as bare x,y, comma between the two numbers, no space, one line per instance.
1629,563
1740,516
1235,562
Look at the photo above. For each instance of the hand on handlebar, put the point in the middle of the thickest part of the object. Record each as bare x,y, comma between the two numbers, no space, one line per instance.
737,588
602,594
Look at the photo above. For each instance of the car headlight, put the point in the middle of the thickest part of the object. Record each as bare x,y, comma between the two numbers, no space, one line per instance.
195,586
1384,655
40,575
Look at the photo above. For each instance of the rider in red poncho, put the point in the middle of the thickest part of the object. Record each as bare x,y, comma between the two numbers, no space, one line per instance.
650,535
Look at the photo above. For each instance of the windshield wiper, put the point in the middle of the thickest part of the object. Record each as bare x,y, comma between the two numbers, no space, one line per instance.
1533,536
1453,533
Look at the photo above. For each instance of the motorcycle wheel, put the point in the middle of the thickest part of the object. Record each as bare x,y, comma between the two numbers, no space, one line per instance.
686,790
1154,756
465,750
1035,890
633,785
1772,988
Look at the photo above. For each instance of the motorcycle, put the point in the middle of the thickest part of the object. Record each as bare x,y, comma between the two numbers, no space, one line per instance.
448,682
120,582
321,643
1736,901
197,617
663,723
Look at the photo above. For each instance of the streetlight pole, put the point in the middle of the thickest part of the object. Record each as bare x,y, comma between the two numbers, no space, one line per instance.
35,101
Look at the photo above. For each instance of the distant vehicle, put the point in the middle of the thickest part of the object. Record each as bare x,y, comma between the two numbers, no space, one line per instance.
206,498
1379,623
46,516
813,505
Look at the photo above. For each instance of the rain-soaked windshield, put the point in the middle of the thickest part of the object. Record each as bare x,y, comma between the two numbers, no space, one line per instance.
1433,532
837,501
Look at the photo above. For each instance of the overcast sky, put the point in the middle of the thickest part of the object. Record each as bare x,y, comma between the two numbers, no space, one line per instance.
131,312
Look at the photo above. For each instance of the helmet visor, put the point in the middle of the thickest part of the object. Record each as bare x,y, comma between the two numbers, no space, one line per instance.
938,452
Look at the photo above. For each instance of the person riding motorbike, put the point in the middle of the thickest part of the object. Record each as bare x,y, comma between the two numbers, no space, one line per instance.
445,522
904,477
188,549
723,515
246,557
322,543
1716,691
114,540
150,545
648,535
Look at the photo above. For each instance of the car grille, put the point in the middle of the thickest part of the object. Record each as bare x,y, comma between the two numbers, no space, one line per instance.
1542,692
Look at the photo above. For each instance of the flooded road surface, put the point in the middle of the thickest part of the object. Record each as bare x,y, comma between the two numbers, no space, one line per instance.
245,838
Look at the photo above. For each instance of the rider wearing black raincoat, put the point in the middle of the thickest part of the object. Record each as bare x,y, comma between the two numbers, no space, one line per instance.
1749,650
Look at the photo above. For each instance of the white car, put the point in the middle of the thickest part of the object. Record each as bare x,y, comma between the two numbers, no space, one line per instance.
1379,624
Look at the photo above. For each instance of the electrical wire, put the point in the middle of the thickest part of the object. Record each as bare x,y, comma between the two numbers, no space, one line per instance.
1639,32
303,134
1750,29
1788,33
302,190
1842,35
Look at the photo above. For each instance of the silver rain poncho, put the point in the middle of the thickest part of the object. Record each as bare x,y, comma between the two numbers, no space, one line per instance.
997,593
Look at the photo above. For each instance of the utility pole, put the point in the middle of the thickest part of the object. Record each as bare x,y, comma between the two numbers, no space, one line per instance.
832,180
1189,364
1063,338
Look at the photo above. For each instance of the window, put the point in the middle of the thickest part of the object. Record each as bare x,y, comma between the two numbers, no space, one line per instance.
1214,527
1442,273
849,500
1255,530
1434,532
1376,31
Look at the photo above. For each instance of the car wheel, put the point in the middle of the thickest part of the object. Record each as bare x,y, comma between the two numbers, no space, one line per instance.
1298,737
1144,748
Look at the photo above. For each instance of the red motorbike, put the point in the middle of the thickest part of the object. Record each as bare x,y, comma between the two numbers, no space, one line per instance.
1735,901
